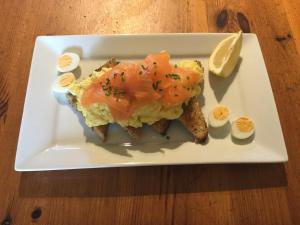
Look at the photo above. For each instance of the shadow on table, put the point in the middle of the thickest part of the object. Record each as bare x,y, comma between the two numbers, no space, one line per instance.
158,180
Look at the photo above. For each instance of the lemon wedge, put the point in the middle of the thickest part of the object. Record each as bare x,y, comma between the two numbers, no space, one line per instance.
225,56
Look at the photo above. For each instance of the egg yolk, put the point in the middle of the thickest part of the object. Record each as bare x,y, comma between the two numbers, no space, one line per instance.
244,124
220,113
64,61
66,80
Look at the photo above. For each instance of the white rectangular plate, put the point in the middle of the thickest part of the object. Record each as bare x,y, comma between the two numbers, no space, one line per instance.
52,136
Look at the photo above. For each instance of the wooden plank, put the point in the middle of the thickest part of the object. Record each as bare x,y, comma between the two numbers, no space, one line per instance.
292,9
269,21
21,22
199,194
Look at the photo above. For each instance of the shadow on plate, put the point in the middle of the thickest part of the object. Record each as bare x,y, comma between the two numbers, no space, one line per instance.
219,132
244,141
77,72
220,85
201,96
74,49
150,142
157,180
60,98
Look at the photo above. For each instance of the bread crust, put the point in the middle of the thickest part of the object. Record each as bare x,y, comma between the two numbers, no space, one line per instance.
193,119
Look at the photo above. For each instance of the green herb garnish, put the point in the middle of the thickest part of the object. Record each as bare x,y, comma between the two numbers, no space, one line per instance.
117,92
106,89
155,85
123,76
173,76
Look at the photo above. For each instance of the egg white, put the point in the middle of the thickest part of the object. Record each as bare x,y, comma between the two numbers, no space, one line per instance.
235,132
74,63
56,87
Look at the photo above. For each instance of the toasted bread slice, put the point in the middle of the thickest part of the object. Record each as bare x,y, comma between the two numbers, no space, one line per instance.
101,131
72,100
134,133
161,126
193,119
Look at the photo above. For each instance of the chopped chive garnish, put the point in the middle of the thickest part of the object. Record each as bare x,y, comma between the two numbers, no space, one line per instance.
123,76
155,85
173,76
117,92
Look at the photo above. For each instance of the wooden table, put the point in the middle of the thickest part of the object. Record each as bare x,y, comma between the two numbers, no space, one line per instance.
198,194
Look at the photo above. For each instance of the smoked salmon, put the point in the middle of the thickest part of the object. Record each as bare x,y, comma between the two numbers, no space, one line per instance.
129,86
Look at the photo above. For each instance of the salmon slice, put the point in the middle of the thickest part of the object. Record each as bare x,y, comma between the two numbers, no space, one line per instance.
129,86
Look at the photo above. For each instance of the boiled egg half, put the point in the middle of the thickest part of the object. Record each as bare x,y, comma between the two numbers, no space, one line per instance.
63,83
242,128
67,62
218,116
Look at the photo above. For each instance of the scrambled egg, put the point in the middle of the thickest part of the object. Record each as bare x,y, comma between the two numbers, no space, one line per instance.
99,114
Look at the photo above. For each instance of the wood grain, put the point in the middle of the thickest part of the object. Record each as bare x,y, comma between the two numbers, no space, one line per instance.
292,8
4,98
198,194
